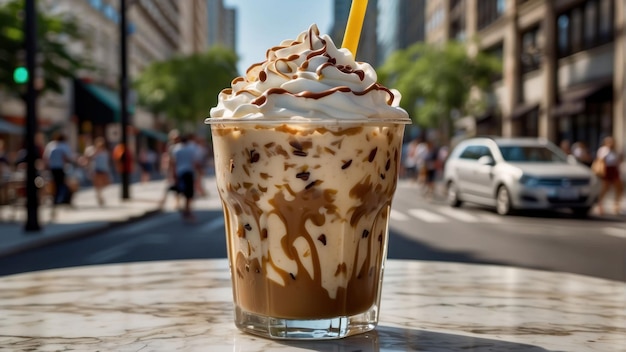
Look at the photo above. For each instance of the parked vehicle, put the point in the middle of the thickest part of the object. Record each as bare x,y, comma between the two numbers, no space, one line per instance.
518,173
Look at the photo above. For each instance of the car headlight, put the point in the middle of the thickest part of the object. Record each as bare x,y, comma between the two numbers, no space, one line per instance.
528,180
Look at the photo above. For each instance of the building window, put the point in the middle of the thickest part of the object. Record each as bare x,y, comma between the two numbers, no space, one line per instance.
563,33
591,23
496,51
606,21
457,30
585,26
501,6
97,4
530,54
529,124
436,19
576,30
489,11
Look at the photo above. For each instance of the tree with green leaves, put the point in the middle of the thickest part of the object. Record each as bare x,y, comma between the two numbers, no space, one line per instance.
185,87
54,33
437,80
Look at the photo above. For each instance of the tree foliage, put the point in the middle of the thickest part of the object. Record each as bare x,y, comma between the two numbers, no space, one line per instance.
436,80
54,33
185,87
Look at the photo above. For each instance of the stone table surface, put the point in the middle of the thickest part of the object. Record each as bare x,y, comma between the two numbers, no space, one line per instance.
426,306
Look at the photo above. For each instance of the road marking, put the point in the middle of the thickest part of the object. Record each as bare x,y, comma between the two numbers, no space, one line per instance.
458,214
615,232
426,215
494,219
397,216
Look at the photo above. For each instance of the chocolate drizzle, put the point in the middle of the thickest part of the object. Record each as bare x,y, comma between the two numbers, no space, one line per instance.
283,67
317,95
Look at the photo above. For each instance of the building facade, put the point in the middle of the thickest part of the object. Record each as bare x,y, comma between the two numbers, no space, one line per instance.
221,26
89,105
563,64
400,24
368,47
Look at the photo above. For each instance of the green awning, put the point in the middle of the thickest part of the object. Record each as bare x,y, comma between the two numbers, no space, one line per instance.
110,98
98,104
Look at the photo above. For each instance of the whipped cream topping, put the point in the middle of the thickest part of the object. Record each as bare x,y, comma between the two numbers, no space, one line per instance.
309,78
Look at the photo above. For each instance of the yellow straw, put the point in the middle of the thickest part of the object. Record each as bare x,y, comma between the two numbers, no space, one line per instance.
355,23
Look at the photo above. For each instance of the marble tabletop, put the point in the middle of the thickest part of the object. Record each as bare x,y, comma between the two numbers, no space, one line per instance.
426,306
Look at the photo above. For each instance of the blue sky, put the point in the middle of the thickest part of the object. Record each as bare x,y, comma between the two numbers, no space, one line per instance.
262,24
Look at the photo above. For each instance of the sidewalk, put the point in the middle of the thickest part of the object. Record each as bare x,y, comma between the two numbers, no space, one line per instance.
84,218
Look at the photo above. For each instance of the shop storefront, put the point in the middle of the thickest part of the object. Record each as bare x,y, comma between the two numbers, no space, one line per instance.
585,113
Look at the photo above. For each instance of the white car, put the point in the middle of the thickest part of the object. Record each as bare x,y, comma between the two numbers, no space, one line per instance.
518,173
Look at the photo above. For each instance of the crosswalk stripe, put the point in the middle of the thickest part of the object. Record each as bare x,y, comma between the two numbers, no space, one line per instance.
491,218
397,216
458,214
614,231
426,215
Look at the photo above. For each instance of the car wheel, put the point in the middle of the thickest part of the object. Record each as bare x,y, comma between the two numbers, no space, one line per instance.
503,201
581,212
453,196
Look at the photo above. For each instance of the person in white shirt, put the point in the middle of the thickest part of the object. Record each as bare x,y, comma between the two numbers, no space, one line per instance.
185,163
56,155
611,177
410,160
100,160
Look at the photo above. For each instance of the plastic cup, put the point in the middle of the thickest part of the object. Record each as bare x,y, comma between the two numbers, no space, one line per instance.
306,208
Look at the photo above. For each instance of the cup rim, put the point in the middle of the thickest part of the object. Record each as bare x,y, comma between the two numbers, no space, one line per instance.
304,121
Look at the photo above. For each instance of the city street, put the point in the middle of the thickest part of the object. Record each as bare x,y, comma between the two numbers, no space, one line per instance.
420,229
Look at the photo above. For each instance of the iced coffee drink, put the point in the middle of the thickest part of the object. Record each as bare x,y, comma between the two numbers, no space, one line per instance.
307,147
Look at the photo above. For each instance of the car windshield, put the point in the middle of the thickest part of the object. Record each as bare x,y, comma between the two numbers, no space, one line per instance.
531,153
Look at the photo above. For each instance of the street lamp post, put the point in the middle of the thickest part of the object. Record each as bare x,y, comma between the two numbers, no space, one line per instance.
32,201
124,100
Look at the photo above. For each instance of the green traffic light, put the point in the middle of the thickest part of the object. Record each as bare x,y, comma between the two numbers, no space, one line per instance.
20,75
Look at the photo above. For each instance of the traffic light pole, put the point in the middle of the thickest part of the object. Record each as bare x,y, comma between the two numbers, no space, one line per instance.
124,99
32,200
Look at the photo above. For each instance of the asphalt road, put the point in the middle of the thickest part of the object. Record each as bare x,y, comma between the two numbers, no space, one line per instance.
420,229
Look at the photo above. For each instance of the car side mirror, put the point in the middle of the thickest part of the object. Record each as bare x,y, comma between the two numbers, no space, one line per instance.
486,160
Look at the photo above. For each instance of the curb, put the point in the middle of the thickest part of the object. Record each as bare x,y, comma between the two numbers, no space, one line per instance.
72,235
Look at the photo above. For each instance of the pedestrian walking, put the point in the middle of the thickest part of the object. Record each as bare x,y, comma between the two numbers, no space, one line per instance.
167,168
57,155
185,163
119,155
5,165
201,156
409,163
606,166
5,174
430,169
147,160
100,164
